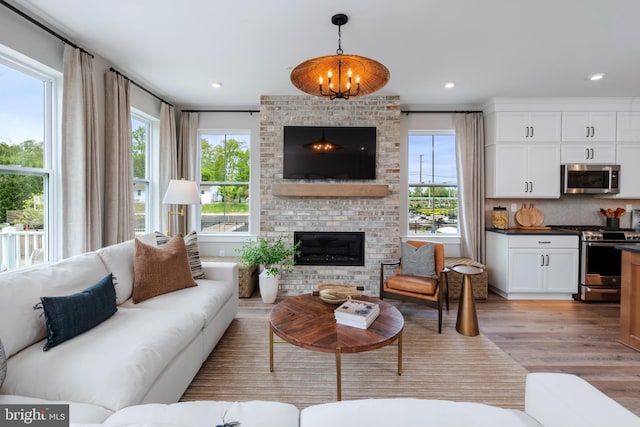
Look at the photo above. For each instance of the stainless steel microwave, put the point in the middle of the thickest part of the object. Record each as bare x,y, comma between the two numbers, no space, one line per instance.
590,179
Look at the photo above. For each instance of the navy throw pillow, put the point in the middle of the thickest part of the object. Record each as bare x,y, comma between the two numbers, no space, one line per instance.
71,315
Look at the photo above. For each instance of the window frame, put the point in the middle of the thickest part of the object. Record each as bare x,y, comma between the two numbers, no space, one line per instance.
198,211
149,168
409,185
52,83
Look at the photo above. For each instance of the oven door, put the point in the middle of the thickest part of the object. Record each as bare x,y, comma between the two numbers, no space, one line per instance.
601,264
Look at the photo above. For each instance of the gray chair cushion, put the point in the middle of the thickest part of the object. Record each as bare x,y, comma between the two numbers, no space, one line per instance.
418,261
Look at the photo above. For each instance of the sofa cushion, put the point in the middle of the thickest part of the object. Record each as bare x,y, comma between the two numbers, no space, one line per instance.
68,316
209,413
118,260
193,252
408,412
203,301
113,365
3,364
160,270
418,261
22,288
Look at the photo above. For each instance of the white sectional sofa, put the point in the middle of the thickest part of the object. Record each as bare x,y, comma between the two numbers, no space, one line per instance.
551,400
145,352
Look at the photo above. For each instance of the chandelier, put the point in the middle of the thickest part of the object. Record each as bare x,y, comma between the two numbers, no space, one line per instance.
340,76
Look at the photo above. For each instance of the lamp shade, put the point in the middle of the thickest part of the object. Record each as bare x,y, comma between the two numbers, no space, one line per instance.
182,192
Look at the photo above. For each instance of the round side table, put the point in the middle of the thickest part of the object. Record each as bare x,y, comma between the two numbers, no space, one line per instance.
467,322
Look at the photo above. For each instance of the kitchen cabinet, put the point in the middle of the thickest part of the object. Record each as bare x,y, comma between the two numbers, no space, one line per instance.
518,126
533,266
589,126
598,153
628,157
522,170
628,127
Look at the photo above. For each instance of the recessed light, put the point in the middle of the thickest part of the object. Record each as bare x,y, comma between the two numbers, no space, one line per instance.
216,85
598,76
449,85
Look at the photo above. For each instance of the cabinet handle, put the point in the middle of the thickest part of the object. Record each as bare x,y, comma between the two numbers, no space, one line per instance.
588,132
544,242
593,131
586,153
526,131
531,131
541,260
547,257
526,187
592,153
530,186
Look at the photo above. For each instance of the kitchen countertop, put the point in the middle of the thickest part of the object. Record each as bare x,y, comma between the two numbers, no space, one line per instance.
524,231
629,248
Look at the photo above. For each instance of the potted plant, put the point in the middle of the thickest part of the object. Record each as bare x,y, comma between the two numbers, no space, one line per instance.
272,259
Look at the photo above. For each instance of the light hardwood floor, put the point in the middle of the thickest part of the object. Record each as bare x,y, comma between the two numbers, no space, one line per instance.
548,336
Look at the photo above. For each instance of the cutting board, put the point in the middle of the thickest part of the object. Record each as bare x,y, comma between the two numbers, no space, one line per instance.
523,216
537,217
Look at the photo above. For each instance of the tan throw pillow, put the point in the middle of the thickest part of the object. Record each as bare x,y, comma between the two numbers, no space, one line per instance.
158,271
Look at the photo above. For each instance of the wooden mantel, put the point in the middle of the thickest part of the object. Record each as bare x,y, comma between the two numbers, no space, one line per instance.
329,190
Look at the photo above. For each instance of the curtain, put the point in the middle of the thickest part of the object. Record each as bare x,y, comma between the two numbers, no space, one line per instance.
119,218
168,160
187,155
81,193
470,164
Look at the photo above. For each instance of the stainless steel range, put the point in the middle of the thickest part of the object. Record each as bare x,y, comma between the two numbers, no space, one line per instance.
600,261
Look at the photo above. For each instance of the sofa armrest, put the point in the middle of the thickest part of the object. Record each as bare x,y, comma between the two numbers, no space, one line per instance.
565,400
224,271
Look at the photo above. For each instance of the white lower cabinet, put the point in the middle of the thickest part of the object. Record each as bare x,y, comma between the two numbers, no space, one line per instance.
537,266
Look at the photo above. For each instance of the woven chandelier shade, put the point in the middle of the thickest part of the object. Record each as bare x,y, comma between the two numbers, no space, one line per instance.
373,75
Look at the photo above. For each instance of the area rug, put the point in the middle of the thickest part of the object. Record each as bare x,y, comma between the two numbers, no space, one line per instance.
435,366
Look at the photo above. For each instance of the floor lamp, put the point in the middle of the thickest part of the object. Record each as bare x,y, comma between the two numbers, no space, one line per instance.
180,192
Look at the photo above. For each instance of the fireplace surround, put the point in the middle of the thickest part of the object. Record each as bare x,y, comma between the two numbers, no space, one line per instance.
329,248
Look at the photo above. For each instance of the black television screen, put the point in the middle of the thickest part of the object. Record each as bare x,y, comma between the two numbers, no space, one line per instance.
329,152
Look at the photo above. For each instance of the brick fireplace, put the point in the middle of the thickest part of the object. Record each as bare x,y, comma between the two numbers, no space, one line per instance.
376,216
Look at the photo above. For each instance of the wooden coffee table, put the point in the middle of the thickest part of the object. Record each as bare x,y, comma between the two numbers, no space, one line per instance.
308,322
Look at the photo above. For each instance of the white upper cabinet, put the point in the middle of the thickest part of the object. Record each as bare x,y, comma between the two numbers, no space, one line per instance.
580,126
598,153
628,124
527,126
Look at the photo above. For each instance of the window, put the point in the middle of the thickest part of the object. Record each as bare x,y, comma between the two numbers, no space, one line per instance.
433,183
224,182
26,112
140,144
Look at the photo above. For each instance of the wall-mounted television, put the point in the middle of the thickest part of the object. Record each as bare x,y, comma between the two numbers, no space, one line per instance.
329,152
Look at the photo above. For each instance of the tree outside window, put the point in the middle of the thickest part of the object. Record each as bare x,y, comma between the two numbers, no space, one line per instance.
224,182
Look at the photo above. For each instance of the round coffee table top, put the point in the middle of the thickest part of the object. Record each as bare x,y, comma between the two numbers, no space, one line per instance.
308,322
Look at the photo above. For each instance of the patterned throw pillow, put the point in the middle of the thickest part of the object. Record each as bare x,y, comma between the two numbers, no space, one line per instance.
3,364
71,315
193,253
158,271
418,261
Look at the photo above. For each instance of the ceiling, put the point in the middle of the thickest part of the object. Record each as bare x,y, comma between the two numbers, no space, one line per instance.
489,48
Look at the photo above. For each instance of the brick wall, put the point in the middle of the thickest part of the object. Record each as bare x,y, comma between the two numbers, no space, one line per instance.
377,217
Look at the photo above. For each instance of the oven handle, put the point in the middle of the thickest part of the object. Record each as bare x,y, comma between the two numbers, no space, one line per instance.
611,244
603,291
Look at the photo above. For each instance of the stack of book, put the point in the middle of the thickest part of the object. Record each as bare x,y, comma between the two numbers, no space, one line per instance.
357,313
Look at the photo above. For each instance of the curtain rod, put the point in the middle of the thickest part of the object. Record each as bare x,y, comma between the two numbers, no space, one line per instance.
407,112
44,27
222,111
138,85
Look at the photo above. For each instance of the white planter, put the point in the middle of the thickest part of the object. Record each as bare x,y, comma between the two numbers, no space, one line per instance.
268,287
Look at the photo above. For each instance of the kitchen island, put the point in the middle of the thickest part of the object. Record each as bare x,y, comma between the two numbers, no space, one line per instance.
630,297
